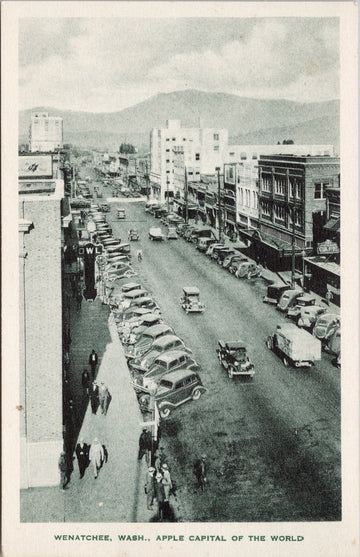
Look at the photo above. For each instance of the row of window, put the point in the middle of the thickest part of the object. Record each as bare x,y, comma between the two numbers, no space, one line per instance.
279,212
249,198
280,183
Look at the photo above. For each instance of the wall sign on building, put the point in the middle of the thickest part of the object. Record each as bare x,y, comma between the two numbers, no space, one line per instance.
39,166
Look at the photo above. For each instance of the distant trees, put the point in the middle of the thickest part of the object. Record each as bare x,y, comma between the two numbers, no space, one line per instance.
127,149
288,142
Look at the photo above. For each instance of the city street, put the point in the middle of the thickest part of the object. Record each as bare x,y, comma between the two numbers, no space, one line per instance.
273,442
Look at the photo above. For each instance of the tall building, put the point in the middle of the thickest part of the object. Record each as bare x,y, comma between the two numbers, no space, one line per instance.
42,227
173,148
46,132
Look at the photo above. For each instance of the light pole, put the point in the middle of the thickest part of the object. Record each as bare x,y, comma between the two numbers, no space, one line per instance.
219,206
186,198
303,267
167,193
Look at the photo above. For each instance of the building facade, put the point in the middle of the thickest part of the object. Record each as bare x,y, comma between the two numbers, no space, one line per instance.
174,149
41,240
46,132
292,203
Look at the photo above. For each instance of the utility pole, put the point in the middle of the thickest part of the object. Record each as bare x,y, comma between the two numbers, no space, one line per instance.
167,194
186,198
292,209
219,205
147,178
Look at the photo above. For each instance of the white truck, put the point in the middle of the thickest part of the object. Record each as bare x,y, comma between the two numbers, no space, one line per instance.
156,234
294,346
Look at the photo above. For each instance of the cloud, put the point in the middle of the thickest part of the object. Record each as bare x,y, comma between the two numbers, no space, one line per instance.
108,64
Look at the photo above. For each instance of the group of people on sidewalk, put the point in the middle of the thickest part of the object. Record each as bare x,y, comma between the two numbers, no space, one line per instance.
96,453
159,485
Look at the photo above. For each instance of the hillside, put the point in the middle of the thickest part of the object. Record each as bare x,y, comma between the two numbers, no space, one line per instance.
241,116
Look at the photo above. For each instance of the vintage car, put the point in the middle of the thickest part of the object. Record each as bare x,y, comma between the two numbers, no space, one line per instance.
172,234
326,325
182,227
213,247
165,363
333,342
121,214
117,263
138,320
109,242
155,234
232,258
146,302
223,253
146,340
289,299
118,249
294,346
308,316
234,358
173,219
190,300
115,274
248,270
133,235
105,208
150,205
132,334
274,292
303,301
160,212
133,311
204,243
174,389
161,346
188,232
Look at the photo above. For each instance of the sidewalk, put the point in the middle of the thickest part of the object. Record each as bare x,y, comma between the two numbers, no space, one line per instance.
117,495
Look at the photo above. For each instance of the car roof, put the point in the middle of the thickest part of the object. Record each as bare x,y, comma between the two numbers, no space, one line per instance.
178,374
191,290
330,317
171,355
162,341
234,344
155,329
135,292
151,317
131,286
137,311
307,297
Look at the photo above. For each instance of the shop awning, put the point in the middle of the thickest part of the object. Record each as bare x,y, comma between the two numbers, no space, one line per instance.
333,225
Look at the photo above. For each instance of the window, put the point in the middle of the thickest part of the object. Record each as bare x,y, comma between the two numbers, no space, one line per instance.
243,156
266,209
197,156
167,160
216,137
319,192
254,156
216,147
174,138
168,150
190,173
184,138
168,139
168,172
309,243
266,182
280,185
232,154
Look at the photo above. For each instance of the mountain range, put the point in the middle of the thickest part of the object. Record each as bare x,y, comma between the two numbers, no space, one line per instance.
248,120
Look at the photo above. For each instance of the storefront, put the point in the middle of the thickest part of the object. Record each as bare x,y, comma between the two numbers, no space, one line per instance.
325,277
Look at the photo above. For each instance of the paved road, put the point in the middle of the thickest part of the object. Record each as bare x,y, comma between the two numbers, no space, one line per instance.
273,443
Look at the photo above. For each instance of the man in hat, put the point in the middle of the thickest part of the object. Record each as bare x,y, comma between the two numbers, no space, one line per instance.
150,488
94,397
159,494
144,444
85,381
65,467
93,361
96,456
82,455
166,481
200,471
104,397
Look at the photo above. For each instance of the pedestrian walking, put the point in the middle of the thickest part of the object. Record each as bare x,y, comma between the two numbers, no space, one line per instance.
200,471
104,397
144,444
65,467
78,301
82,455
86,381
94,397
162,456
157,462
96,456
93,361
150,488
139,254
166,481
328,297
160,494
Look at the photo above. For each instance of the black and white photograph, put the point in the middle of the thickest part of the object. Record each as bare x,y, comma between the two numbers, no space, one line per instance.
182,278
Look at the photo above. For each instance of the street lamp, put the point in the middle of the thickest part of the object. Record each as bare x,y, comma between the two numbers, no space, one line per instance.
219,206
167,193
186,197
303,267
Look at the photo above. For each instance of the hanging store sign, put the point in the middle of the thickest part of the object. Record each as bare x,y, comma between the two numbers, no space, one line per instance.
38,166
327,247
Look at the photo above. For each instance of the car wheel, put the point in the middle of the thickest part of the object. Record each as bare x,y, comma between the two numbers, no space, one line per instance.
196,394
269,343
285,362
165,412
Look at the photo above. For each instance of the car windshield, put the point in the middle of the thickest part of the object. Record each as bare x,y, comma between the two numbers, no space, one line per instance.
150,356
239,353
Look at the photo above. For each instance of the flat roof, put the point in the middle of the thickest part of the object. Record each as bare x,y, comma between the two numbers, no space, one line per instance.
323,264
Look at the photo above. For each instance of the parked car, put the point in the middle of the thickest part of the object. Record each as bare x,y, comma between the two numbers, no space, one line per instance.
172,234
166,363
133,235
234,358
182,228
115,274
231,258
236,264
274,292
303,301
204,243
326,325
146,340
222,253
175,388
289,299
105,208
294,346
147,302
121,214
213,247
160,346
173,219
132,311
149,320
150,204
308,316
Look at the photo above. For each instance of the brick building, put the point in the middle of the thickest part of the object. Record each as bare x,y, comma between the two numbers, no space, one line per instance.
46,132
41,240
291,187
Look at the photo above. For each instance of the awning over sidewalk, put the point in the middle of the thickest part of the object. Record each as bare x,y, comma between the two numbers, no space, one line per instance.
282,247
333,225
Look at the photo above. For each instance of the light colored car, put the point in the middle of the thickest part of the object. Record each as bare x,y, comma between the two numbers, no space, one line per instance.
161,346
172,234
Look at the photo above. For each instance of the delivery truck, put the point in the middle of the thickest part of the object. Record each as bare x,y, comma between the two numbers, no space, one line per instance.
295,346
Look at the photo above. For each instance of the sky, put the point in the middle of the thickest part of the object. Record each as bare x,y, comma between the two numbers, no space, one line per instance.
106,65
